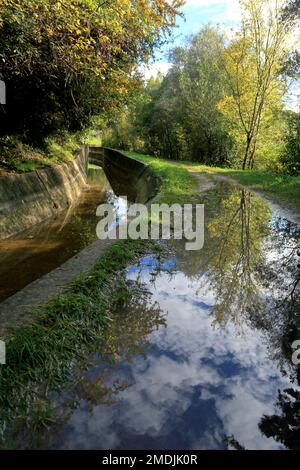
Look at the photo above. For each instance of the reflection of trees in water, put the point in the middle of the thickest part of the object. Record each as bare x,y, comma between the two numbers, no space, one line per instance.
254,264
127,338
254,274
281,320
236,227
237,232
269,265
284,313
284,427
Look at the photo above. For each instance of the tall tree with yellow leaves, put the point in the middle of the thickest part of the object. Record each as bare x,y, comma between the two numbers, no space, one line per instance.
252,62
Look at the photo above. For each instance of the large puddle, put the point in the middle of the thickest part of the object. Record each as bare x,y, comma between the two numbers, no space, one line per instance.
202,358
37,251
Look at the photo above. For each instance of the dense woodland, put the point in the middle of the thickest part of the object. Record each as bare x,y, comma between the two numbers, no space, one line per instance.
64,62
69,66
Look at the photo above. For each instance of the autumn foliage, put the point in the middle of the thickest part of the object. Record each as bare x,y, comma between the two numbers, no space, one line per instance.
64,61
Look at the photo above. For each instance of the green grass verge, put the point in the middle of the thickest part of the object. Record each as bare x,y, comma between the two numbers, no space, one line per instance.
178,185
16,156
41,356
281,188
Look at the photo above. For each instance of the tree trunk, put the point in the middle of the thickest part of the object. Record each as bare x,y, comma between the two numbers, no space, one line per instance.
246,156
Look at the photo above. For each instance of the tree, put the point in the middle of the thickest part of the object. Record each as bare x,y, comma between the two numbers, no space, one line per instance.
65,61
252,63
201,87
292,10
179,116
290,158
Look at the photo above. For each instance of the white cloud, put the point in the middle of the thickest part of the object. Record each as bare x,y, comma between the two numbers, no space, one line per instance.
153,69
196,386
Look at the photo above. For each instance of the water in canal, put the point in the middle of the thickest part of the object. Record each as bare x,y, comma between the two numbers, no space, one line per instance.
202,356
42,248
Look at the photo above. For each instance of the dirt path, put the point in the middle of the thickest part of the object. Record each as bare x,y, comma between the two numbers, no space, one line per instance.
207,183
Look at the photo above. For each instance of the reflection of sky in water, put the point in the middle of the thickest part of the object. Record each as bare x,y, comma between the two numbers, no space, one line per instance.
197,384
198,381
120,209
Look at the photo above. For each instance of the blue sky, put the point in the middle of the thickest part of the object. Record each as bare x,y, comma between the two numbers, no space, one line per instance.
196,14
200,12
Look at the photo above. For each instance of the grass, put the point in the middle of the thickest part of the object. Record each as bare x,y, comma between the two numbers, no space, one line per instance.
283,189
177,183
41,356
16,156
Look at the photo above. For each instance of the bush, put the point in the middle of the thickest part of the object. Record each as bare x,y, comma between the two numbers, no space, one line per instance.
291,155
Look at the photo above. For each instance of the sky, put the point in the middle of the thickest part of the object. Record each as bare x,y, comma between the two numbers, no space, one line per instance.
197,13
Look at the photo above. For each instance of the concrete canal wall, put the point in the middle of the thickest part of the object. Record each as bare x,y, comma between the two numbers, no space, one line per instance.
134,177
29,198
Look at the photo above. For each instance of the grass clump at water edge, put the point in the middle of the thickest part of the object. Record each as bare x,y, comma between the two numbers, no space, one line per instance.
42,356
